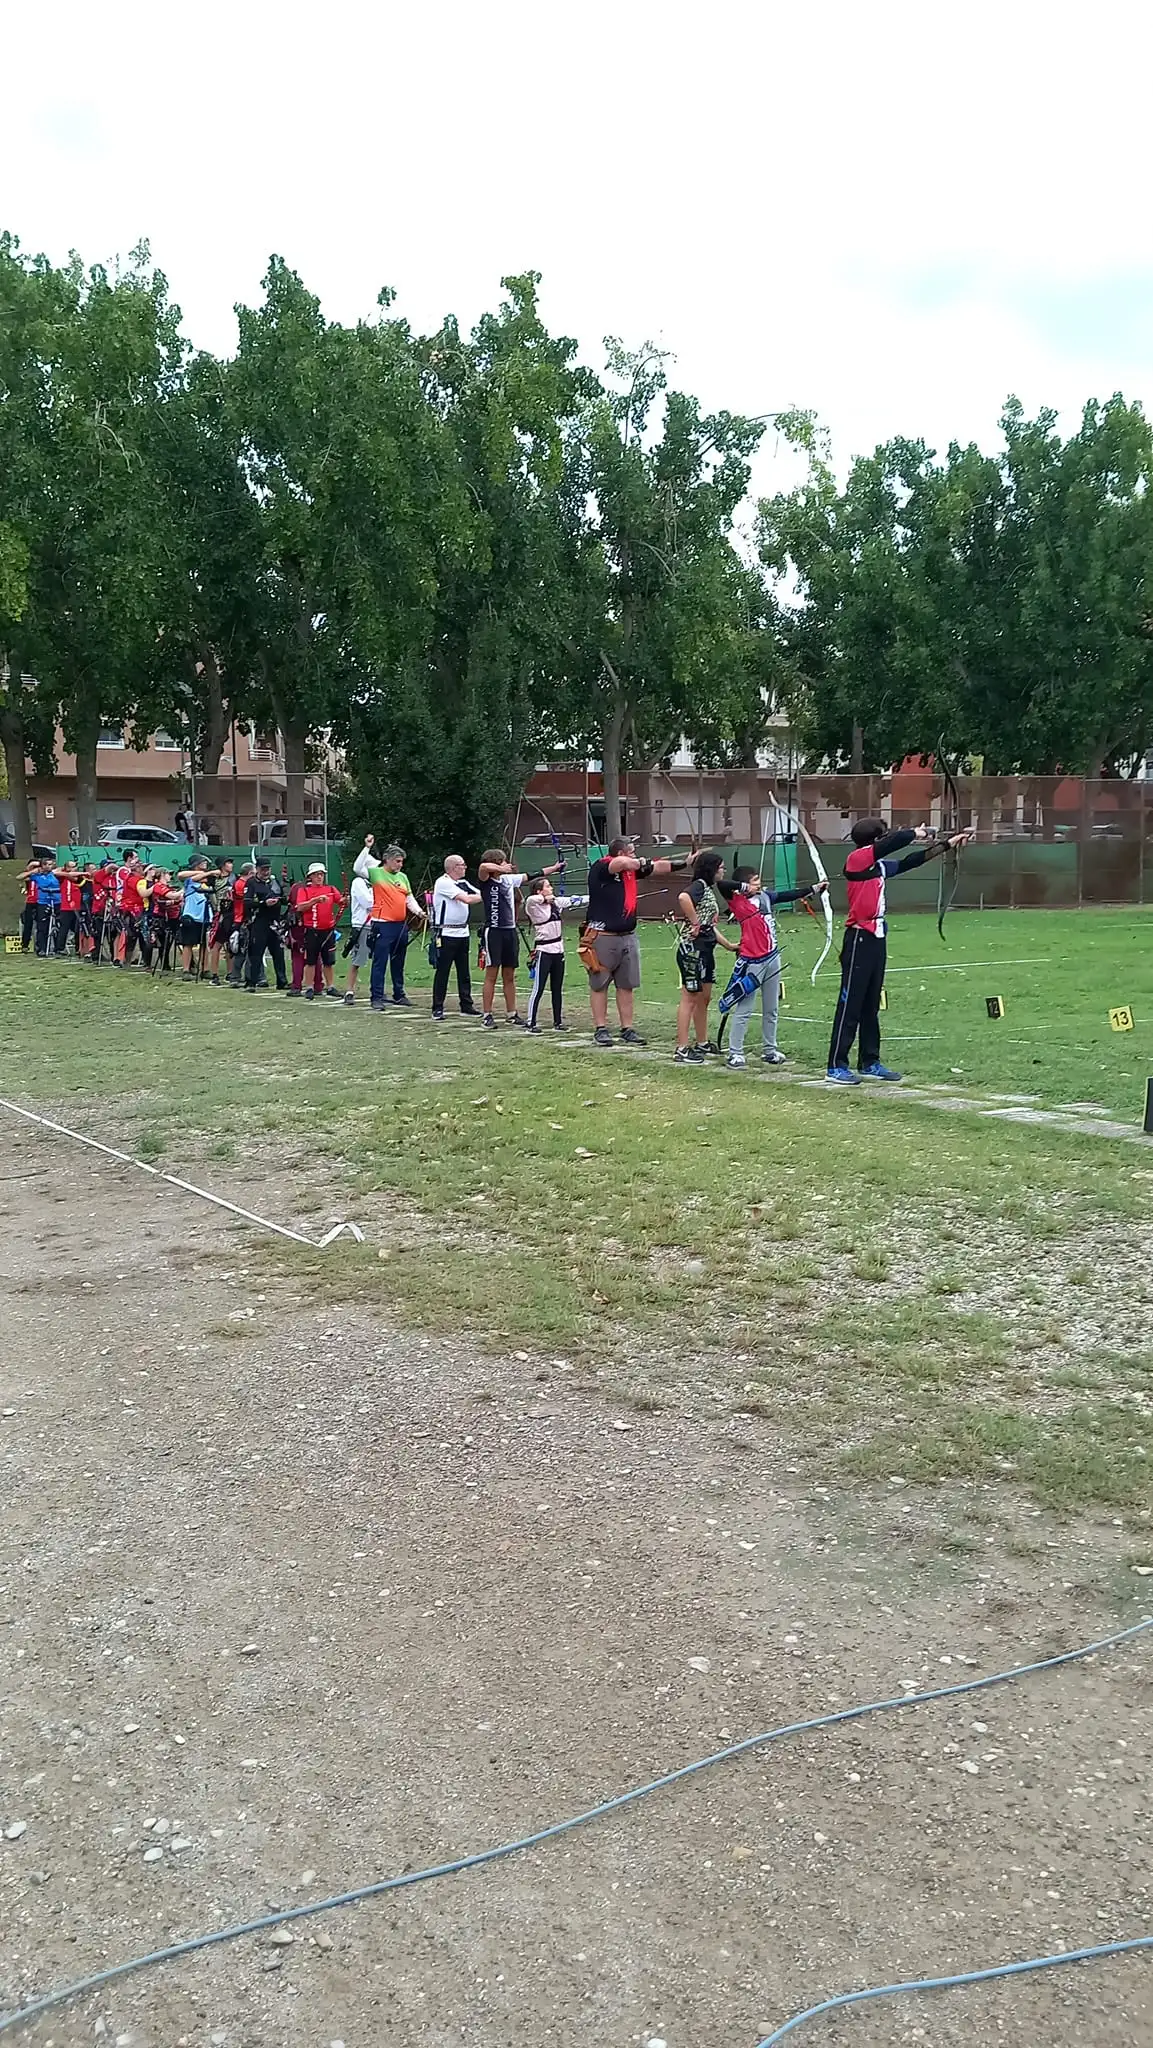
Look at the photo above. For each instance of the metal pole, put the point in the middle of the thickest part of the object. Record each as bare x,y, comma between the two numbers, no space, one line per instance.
235,792
192,782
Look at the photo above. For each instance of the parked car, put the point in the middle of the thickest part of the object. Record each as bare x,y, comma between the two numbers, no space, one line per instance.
138,835
277,828
8,846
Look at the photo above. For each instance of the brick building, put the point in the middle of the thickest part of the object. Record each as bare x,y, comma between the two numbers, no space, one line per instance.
148,785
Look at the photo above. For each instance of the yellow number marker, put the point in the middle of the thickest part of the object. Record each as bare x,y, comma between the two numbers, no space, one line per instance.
1122,1019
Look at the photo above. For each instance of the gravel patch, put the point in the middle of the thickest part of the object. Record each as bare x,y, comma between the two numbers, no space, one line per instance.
284,1612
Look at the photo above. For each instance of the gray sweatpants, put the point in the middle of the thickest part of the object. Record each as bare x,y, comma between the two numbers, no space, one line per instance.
769,990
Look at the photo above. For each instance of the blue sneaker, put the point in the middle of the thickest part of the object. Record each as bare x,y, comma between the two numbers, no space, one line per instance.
879,1073
844,1077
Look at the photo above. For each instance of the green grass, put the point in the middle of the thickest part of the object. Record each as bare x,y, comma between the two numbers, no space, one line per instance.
893,1289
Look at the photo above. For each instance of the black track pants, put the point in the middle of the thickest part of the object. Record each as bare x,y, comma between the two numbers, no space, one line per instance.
859,1004
549,975
452,952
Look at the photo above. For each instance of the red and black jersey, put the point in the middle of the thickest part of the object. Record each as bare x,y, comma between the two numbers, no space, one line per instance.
128,890
612,898
70,887
866,872
317,905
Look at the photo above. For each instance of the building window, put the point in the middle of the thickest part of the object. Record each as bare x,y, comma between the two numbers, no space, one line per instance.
110,736
264,746
165,744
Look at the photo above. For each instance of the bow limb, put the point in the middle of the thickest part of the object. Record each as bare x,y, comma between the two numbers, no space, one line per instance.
826,900
797,822
552,831
953,794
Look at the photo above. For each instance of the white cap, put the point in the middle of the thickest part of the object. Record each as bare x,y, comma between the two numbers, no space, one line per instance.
317,868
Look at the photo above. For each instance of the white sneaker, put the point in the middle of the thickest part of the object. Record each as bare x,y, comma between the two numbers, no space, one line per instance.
736,1059
775,1059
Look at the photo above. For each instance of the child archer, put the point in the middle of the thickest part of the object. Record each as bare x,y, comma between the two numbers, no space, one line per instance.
757,968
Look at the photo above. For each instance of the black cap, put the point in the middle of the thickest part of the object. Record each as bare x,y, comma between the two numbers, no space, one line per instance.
263,861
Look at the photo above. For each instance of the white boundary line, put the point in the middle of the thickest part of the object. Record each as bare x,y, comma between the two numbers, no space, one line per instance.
963,966
187,1186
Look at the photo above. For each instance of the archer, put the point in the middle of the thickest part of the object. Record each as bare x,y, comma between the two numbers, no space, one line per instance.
865,949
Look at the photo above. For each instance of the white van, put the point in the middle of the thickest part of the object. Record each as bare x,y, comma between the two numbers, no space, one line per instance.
273,829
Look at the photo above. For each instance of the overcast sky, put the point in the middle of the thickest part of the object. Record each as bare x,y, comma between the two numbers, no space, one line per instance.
892,211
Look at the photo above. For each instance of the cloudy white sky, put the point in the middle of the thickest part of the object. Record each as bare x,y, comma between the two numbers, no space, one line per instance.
891,211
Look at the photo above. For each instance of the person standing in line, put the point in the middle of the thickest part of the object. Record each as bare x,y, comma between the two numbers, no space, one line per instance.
44,895
101,909
392,901
220,929
164,890
358,948
152,883
543,909
84,922
28,914
452,899
167,914
864,953
68,920
318,907
263,905
195,914
611,930
500,939
129,909
696,957
296,946
238,937
757,967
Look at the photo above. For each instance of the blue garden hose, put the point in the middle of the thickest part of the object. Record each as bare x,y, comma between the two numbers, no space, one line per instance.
195,1942
1072,1955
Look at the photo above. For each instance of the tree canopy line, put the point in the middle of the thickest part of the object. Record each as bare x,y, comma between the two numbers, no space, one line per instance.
452,556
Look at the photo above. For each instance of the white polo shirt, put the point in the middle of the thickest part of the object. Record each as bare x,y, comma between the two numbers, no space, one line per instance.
449,910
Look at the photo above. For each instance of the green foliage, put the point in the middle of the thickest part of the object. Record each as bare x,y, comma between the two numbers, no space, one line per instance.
670,621
454,556
86,363
1002,602
13,575
444,739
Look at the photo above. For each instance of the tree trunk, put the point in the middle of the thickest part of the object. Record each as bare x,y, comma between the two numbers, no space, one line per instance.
611,752
857,759
211,801
644,820
12,736
295,743
86,737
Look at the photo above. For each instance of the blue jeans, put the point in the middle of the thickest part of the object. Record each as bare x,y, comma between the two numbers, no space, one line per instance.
386,937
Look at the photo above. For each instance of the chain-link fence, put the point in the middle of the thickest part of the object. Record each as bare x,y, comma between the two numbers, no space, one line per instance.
1041,841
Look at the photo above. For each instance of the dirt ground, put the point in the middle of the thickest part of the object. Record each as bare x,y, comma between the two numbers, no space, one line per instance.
322,1600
